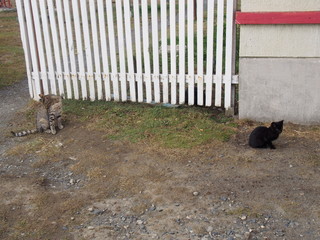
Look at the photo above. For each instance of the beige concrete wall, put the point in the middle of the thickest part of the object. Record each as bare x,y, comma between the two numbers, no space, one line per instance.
280,40
279,76
279,5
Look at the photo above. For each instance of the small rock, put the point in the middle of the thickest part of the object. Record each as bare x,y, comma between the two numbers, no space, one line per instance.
72,181
244,217
195,193
72,218
90,209
90,228
153,207
139,222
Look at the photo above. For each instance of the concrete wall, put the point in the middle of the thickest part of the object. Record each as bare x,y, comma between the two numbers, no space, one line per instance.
279,73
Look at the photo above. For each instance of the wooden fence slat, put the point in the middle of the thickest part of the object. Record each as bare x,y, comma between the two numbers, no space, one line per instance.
25,44
80,57
164,51
190,23
131,77
182,49
155,47
219,52
87,43
229,58
33,49
39,40
96,48
71,49
173,72
113,56
137,35
104,50
145,40
209,68
56,47
65,56
122,75
200,52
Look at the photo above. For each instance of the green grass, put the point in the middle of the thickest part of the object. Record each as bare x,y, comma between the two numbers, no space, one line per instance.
182,127
12,64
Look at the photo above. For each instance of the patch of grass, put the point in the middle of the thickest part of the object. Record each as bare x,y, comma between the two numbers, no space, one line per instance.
183,127
12,63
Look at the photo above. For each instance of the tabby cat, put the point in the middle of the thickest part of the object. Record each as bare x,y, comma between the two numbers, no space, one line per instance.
262,137
48,116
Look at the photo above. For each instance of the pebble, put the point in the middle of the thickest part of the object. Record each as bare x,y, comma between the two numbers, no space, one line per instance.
139,222
90,228
195,193
153,207
72,218
244,217
90,209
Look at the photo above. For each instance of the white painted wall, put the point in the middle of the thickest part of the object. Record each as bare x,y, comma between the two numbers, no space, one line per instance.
279,5
280,40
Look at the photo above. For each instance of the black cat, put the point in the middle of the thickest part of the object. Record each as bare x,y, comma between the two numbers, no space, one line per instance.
262,137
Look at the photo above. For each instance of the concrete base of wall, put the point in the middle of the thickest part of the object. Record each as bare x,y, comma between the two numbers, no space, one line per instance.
272,89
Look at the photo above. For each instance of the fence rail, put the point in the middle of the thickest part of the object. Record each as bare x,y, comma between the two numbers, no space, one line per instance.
166,51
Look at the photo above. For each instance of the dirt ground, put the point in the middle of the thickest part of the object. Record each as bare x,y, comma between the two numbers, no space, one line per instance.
78,185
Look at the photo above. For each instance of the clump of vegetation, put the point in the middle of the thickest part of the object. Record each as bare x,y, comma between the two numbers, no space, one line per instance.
12,64
170,127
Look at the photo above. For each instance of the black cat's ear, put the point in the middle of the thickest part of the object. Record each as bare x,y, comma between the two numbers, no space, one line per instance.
273,124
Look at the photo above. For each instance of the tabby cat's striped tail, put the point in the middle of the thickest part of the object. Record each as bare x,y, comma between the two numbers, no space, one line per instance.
24,133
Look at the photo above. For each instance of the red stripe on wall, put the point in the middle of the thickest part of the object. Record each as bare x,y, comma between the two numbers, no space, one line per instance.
278,17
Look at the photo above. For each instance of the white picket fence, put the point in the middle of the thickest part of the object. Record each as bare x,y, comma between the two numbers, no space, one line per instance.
136,50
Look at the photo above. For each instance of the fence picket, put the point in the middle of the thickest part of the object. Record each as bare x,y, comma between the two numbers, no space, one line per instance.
25,44
130,75
209,68
145,40
113,56
33,48
56,47
87,43
229,53
164,51
71,47
219,51
137,37
200,52
80,57
65,56
182,50
96,49
121,47
173,79
190,23
104,50
39,42
155,47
